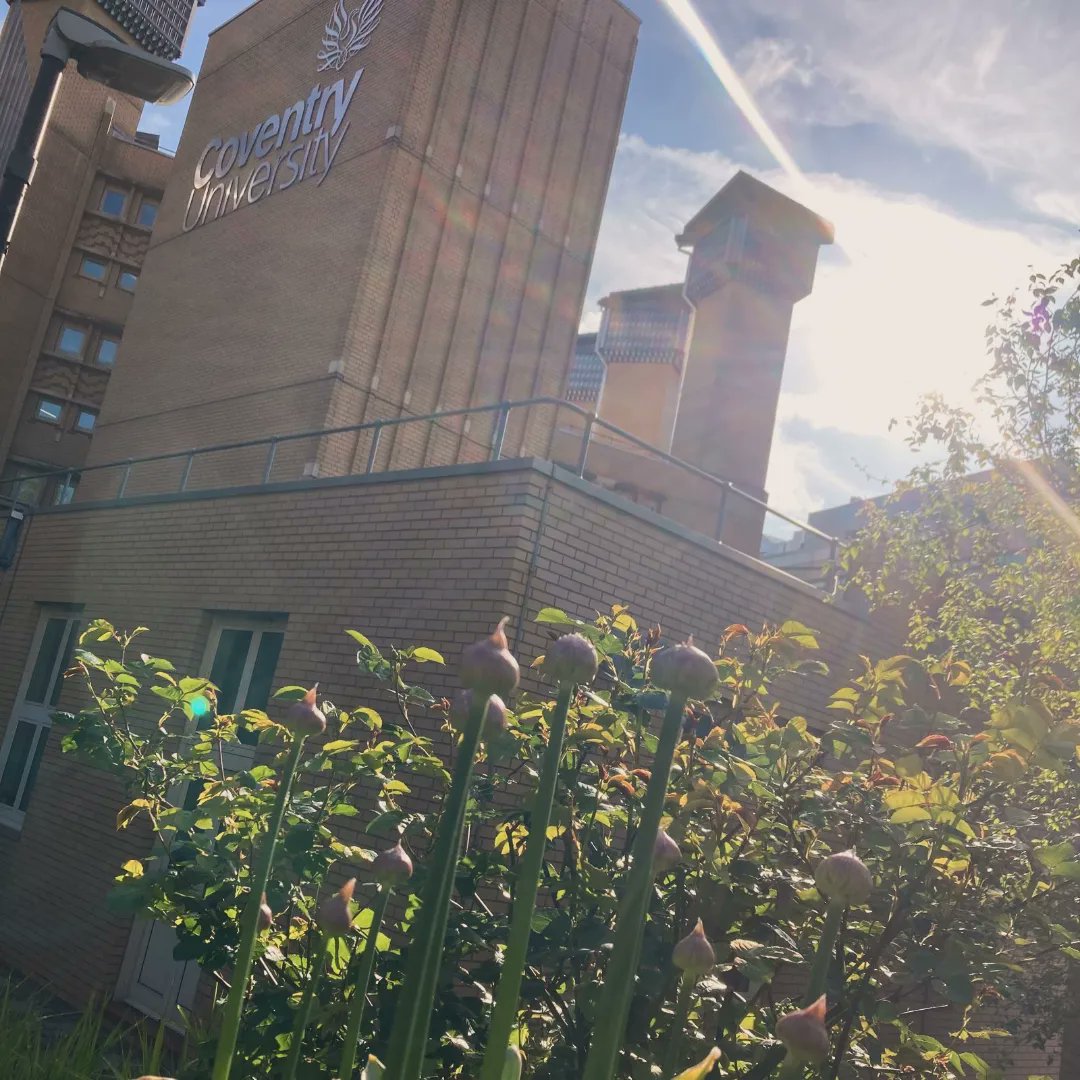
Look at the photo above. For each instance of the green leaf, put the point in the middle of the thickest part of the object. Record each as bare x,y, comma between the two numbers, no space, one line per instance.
799,634
424,655
555,617
909,814
361,640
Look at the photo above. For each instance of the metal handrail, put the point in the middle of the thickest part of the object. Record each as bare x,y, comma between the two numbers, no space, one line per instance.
503,409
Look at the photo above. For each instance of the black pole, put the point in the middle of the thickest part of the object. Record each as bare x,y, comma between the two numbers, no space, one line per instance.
19,170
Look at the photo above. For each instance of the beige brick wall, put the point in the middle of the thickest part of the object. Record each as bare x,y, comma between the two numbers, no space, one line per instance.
431,559
442,262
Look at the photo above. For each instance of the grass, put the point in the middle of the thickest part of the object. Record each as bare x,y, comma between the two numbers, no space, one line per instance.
40,1042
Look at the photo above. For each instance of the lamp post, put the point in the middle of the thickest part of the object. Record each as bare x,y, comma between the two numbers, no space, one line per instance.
101,57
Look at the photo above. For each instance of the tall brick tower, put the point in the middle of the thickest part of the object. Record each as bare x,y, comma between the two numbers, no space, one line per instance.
379,208
78,244
753,253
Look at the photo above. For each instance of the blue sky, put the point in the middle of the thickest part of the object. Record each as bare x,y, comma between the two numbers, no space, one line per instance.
935,134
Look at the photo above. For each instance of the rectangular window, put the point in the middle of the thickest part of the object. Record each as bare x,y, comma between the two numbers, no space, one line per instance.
43,682
49,411
128,280
65,489
106,352
148,210
22,483
241,660
71,340
86,420
113,202
92,268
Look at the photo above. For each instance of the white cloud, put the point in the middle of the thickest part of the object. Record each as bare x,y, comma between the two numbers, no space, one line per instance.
995,79
895,313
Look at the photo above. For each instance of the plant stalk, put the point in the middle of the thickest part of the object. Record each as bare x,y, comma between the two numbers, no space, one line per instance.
408,1038
249,921
678,1026
363,978
601,1064
303,1014
819,973
528,884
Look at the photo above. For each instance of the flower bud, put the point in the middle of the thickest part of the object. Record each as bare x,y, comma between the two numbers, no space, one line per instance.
844,877
495,721
703,1068
335,914
685,671
374,1070
266,916
571,661
392,867
694,954
487,666
304,717
665,854
804,1033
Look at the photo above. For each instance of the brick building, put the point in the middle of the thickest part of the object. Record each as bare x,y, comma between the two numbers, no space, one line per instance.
77,253
365,226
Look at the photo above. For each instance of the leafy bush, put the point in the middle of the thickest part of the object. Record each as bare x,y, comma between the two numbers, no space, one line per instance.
963,817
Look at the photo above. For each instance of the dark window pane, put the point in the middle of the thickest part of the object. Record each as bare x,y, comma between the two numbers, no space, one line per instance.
262,677
148,214
65,662
31,776
48,650
21,742
232,653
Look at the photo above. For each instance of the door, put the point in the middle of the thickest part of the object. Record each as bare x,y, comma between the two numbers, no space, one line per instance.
240,660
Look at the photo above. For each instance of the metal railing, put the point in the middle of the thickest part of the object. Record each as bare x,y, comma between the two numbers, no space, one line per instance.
10,490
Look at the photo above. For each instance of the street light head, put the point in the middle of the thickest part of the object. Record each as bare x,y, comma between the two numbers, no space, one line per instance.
102,57
132,71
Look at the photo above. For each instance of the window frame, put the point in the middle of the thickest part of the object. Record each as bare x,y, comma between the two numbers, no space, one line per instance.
77,427
84,258
113,189
120,279
37,714
145,202
64,327
102,338
59,421
239,756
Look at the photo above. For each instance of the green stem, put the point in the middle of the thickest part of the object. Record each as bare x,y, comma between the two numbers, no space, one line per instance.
249,921
630,927
363,978
819,973
303,1014
528,884
408,1037
682,1011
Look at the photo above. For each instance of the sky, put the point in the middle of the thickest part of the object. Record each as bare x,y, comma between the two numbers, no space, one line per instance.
936,135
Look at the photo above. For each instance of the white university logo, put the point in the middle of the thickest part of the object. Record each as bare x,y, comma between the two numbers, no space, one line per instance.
298,143
346,34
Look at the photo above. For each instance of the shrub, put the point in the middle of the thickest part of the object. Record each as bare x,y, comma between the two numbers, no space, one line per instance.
963,819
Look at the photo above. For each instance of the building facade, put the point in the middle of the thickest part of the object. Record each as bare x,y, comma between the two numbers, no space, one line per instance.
373,218
76,257
397,226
